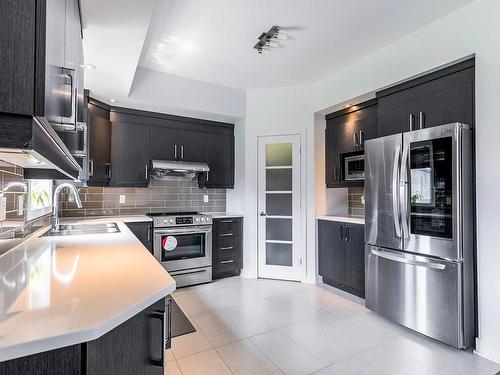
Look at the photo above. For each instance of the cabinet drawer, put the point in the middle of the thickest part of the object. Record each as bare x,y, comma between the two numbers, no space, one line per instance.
230,224
226,239
223,252
226,267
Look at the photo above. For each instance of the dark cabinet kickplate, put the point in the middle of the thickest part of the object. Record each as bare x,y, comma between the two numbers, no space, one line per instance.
180,323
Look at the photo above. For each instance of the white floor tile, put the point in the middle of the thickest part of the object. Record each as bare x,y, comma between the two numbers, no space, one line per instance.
243,357
189,344
217,330
287,355
245,319
204,363
172,368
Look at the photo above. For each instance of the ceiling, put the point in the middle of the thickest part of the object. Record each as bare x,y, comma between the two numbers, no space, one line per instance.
212,40
207,45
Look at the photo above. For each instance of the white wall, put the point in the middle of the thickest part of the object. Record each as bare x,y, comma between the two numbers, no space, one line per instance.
276,112
473,29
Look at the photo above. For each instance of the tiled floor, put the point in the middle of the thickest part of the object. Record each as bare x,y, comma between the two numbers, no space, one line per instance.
276,327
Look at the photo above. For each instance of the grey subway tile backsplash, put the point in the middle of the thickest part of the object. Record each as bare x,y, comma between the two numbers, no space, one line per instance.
158,197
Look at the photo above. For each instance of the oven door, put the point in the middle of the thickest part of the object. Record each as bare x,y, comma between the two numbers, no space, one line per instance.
184,247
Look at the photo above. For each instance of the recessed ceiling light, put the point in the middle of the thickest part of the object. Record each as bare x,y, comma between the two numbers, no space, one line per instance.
90,66
112,100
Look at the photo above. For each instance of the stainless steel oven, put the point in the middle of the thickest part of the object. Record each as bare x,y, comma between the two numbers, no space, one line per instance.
354,168
182,243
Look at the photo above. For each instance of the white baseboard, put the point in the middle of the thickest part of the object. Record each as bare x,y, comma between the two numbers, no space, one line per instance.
487,350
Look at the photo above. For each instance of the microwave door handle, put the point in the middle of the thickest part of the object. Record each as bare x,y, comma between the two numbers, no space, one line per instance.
395,192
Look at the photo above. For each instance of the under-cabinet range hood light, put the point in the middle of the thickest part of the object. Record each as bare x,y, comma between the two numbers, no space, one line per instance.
168,170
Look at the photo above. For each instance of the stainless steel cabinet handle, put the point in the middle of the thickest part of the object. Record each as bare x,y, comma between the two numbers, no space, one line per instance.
418,263
168,341
91,172
347,234
355,139
341,233
227,248
361,138
226,234
395,191
411,121
146,174
175,151
335,172
149,234
182,151
108,165
227,261
226,221
421,119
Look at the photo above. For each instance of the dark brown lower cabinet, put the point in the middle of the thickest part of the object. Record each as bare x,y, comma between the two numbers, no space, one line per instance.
227,255
341,260
144,233
136,347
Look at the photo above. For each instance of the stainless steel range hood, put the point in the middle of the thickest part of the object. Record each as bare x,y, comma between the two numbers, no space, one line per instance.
31,142
167,170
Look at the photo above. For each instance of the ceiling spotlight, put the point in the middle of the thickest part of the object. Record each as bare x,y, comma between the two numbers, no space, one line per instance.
90,66
270,39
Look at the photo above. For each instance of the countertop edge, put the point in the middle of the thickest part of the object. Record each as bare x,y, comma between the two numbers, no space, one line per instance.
57,342
342,219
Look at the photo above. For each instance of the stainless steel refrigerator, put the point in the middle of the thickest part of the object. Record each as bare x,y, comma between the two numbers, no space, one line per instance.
419,231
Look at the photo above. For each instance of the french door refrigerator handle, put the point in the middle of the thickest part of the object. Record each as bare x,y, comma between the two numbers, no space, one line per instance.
400,259
395,192
403,190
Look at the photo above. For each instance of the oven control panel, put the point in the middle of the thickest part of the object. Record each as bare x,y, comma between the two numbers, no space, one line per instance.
184,220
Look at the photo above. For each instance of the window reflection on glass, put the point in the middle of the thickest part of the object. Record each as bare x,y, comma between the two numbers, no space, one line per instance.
40,198
421,186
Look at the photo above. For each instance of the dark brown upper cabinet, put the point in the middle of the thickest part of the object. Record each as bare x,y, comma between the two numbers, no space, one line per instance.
175,144
219,155
345,135
99,130
439,98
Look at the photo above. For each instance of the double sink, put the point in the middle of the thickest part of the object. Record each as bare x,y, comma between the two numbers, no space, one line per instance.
77,229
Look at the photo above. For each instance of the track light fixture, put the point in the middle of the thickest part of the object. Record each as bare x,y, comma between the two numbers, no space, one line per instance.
269,40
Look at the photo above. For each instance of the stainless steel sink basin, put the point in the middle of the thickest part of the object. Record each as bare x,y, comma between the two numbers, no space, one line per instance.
73,229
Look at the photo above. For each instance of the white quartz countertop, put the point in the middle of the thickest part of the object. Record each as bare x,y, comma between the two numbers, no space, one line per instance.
344,219
222,215
60,291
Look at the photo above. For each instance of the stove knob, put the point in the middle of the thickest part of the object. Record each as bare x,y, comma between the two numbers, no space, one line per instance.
171,221
197,219
165,221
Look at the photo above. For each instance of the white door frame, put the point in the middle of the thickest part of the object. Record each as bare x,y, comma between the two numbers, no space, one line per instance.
298,270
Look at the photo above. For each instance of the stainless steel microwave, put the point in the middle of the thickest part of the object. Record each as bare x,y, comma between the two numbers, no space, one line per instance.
354,168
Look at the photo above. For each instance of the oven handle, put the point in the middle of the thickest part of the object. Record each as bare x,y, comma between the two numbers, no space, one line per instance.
191,230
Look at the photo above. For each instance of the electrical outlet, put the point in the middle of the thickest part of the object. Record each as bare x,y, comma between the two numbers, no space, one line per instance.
3,208
123,199
205,198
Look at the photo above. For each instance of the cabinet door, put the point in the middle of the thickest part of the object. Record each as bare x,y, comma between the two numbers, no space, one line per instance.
448,99
143,232
338,249
17,49
191,145
355,258
396,113
99,133
325,251
130,154
332,157
164,143
219,155
133,348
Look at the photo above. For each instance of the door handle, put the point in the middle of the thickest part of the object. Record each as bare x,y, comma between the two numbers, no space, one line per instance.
262,213
411,121
421,119
400,259
168,341
161,316
361,138
395,192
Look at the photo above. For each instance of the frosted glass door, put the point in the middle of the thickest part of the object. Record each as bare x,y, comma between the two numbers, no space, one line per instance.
279,205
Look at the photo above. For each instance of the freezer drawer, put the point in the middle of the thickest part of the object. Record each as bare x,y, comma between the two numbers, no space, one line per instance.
421,293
